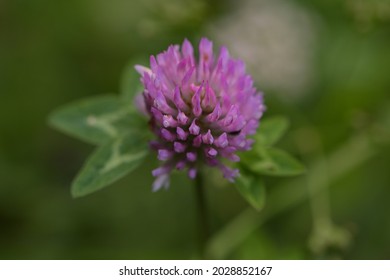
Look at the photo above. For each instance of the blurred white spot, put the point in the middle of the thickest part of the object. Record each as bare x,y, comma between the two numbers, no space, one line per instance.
275,39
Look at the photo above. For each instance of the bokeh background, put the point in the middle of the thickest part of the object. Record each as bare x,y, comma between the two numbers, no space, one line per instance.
323,64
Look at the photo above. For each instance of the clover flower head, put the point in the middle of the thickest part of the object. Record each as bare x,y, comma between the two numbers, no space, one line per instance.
202,111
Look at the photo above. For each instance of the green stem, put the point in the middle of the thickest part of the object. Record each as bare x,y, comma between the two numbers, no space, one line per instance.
204,231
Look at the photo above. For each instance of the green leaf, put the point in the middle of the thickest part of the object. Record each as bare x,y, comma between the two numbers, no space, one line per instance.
252,188
271,130
109,163
275,162
95,120
130,84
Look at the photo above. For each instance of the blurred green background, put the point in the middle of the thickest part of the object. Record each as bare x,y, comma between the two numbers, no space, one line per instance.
323,64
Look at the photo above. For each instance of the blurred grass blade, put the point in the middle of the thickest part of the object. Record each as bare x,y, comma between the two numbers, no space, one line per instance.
271,130
95,120
252,188
109,163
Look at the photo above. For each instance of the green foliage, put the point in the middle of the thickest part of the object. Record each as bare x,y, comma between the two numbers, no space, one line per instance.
265,160
114,125
129,83
252,188
275,162
109,163
271,130
94,120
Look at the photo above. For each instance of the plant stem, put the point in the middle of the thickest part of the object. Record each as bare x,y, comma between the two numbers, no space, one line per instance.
202,213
